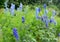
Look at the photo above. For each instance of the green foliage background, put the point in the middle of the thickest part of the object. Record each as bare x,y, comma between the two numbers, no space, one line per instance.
33,2
31,31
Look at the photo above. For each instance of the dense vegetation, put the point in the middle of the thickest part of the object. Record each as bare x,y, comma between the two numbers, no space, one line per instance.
27,23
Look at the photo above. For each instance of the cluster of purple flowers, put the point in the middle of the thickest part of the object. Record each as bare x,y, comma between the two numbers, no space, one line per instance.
52,20
12,8
45,18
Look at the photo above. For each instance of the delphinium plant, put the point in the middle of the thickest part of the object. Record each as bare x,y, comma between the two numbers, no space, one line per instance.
47,34
30,27
20,7
15,33
37,12
12,9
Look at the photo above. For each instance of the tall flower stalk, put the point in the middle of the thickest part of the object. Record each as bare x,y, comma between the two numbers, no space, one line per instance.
15,33
12,9
21,6
37,12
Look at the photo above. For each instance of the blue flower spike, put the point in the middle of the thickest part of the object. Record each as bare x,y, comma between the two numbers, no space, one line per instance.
45,10
15,33
23,19
21,6
45,6
12,9
37,12
47,22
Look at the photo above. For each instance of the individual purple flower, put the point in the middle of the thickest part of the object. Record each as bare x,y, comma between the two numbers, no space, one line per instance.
12,9
37,12
15,33
43,18
23,19
45,6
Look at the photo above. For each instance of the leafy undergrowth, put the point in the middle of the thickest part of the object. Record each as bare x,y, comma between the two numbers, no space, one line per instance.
31,30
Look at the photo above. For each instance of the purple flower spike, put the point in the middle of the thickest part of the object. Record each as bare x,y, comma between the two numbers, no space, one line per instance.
12,9
15,33
23,19
37,12
21,6
45,6
47,22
